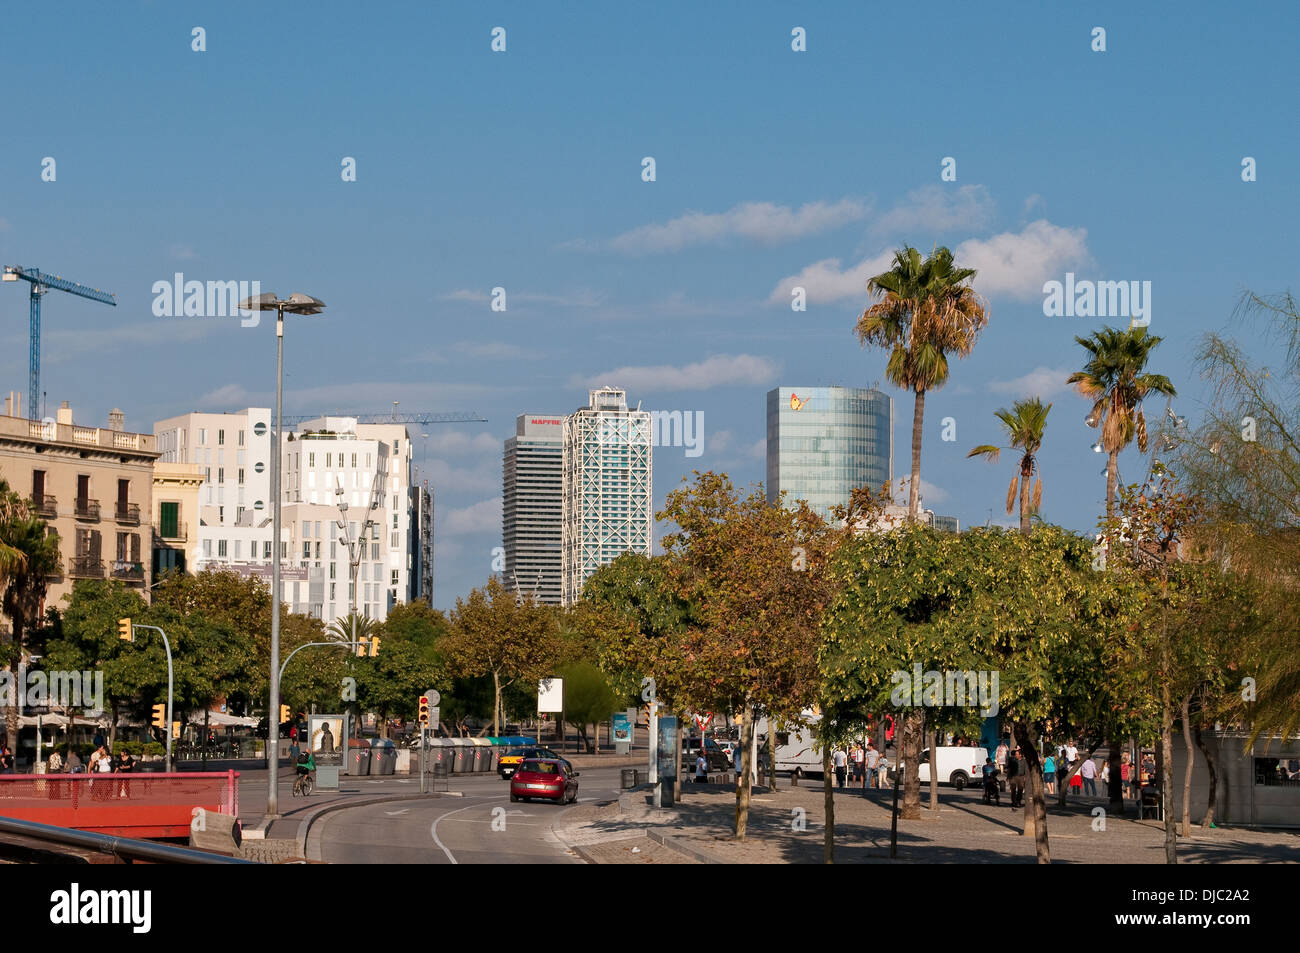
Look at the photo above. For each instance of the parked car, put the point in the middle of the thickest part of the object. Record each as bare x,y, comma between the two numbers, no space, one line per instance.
716,757
551,779
958,766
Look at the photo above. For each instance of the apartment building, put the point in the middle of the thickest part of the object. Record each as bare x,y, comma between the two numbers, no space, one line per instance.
532,506
92,485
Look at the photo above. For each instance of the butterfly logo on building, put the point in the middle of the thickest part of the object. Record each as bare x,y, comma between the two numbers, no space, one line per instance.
795,402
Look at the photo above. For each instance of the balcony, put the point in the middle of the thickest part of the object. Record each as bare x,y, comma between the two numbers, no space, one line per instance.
86,567
87,509
128,571
46,506
179,532
128,513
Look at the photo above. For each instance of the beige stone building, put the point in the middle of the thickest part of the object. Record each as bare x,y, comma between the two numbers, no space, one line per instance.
94,487
175,516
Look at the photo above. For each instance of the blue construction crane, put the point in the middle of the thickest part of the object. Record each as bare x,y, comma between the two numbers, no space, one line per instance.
41,283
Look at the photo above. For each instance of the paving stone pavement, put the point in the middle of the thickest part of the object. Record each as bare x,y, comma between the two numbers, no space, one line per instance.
964,831
275,850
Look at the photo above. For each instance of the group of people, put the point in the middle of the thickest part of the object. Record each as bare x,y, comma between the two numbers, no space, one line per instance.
870,768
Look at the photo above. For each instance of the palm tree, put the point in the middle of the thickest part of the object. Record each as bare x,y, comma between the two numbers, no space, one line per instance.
1024,424
341,629
925,313
1113,379
29,556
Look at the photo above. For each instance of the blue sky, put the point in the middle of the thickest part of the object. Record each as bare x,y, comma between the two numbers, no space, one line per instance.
522,170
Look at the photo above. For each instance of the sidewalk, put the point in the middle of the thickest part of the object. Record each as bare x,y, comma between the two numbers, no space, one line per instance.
787,826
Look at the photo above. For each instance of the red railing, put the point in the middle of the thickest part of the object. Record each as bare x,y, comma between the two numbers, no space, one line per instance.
124,805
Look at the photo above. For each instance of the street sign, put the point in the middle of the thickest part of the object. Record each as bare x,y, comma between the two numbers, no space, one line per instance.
433,717
433,696
550,695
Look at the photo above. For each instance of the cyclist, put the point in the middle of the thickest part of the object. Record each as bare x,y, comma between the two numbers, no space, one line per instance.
305,766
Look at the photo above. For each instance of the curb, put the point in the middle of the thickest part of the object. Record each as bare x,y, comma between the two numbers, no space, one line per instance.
672,843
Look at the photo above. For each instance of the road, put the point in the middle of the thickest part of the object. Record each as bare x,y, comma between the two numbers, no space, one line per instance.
482,827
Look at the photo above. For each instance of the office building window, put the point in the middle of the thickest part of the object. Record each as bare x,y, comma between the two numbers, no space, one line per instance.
221,438
241,476
241,438
221,474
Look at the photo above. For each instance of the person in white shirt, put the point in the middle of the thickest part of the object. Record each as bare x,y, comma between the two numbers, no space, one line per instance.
841,762
1088,771
873,762
859,760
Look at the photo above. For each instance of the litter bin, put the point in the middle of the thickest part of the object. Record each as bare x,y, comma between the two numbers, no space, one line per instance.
462,755
358,756
383,756
482,755
629,778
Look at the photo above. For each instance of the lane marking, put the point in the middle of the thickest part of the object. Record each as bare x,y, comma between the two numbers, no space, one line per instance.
434,829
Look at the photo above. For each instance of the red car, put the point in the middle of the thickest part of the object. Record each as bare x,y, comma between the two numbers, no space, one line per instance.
548,778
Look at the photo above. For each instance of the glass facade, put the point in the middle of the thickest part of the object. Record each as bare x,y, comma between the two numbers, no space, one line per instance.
822,442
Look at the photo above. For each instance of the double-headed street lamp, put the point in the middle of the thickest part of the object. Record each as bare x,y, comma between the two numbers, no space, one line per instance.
294,304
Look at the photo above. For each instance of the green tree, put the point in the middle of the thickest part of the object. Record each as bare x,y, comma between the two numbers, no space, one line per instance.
1024,424
29,556
588,697
495,633
925,312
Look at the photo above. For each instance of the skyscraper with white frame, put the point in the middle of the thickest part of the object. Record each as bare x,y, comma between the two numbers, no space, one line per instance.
608,500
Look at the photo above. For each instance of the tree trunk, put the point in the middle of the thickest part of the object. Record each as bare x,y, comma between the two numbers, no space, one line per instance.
1025,480
12,711
1112,476
1035,806
828,794
1208,820
910,747
743,783
1187,771
1115,786
914,490
496,705
1165,769
771,756
930,739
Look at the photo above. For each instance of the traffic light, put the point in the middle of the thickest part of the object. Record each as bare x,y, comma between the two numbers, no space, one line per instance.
284,713
176,730
374,646
371,643
424,709
124,630
160,716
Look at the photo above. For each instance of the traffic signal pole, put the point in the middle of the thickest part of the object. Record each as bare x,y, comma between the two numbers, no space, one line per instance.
126,630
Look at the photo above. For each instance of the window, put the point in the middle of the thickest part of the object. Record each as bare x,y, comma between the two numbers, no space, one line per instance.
374,530
393,581
332,587
221,549
221,474
207,474
241,438
122,545
203,435
397,444
311,459
396,541
284,550
241,476
237,542
266,549
207,548
169,520
38,487
317,533
306,550
394,524
239,514
332,575
318,550
327,461
354,460
221,514
221,438
306,528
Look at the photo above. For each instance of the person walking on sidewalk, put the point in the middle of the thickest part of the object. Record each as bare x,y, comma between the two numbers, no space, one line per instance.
841,762
859,764
873,762
1088,771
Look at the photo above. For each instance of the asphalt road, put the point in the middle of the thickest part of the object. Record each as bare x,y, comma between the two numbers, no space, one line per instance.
482,827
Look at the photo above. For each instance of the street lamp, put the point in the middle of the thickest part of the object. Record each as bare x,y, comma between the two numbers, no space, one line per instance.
294,304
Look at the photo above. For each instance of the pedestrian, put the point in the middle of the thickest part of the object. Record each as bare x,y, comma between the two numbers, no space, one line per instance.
55,762
841,762
1049,775
701,769
124,764
1126,776
1016,777
73,761
873,763
859,766
883,769
1000,759
99,738
6,760
1089,774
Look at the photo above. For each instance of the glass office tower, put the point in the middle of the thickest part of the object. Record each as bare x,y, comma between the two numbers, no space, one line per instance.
822,442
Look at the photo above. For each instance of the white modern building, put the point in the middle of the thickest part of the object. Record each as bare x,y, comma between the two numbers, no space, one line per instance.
333,471
608,504
532,507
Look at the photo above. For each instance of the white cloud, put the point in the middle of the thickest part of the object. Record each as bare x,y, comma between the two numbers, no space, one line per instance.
764,222
938,209
361,396
464,294
719,440
62,344
720,370
1042,381
1012,263
444,440
1017,263
447,478
183,252
825,281
482,517
759,449
497,351
930,493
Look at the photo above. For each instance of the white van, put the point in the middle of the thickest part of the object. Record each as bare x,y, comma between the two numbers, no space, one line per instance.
958,766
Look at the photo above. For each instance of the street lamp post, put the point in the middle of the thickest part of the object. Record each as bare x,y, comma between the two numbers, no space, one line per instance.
294,304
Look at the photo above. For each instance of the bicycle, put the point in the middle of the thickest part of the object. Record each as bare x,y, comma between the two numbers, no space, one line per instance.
304,784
